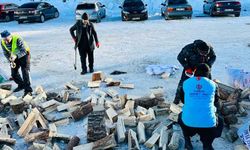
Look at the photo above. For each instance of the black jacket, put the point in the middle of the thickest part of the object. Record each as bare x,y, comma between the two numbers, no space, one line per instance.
189,57
91,34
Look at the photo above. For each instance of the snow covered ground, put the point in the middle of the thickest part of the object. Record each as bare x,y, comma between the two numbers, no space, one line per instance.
131,47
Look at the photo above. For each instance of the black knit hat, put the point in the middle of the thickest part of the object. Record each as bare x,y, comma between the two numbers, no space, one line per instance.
85,16
5,34
202,70
201,46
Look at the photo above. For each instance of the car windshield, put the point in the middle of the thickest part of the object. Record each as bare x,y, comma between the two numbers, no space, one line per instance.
86,6
133,4
173,2
29,5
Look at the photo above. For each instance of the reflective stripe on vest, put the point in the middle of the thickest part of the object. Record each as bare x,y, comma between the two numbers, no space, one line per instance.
14,47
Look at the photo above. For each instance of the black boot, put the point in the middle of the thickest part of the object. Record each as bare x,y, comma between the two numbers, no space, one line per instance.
91,70
19,88
208,148
83,72
188,144
27,93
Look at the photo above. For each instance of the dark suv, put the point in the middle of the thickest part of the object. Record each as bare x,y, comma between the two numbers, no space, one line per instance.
222,7
134,10
7,11
35,11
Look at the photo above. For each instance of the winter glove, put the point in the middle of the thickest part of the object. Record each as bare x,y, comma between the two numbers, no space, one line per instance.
12,57
97,44
189,72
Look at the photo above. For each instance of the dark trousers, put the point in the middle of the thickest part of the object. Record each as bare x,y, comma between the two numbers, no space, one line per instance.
84,53
207,135
24,81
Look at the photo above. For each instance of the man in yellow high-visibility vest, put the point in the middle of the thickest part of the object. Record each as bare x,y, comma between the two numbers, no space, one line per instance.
17,53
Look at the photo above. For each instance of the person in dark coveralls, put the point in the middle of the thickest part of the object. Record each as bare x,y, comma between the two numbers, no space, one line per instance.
199,113
17,53
189,57
84,41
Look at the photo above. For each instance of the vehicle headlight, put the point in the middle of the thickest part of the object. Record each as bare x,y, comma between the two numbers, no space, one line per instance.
125,12
143,11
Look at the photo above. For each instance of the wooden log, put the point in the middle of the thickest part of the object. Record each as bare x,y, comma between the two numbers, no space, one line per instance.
52,130
161,111
140,111
164,137
175,108
113,83
232,135
144,118
4,131
18,106
158,92
150,126
112,93
245,104
94,84
112,115
42,135
6,121
5,147
141,132
130,104
151,113
125,112
231,109
130,121
8,99
242,111
97,76
174,141
39,99
88,146
230,119
49,103
225,87
152,140
62,122
6,87
62,137
132,141
148,101
123,99
120,129
245,93
56,147
4,93
65,96
28,98
127,86
70,86
7,140
20,119
68,105
74,141
82,111
173,117
105,143
39,90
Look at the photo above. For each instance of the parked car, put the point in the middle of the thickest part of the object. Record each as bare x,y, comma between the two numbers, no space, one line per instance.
95,10
7,11
176,8
222,7
133,10
35,11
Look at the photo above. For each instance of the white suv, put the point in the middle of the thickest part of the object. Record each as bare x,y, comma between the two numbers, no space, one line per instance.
95,10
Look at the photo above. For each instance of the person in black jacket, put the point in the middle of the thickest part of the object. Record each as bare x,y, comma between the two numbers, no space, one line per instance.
84,41
190,56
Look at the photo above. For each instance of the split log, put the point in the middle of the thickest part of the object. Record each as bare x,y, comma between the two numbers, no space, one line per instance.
74,141
235,95
7,140
88,146
127,86
160,111
113,83
28,98
4,93
62,122
6,87
64,137
42,135
6,121
245,93
226,88
230,119
152,140
39,99
130,121
158,92
105,143
52,130
70,86
123,100
231,109
65,96
150,126
141,132
140,111
49,103
4,131
112,115
232,135
175,108
120,129
245,104
56,147
18,106
20,119
132,141
148,101
151,113
5,147
100,93
173,117
94,84
112,93
174,141
130,104
125,112
39,90
164,137
68,105
82,111
97,76
8,99
144,118
242,111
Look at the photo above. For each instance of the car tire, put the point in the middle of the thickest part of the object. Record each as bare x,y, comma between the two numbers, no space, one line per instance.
166,17
237,15
204,11
56,15
189,17
211,13
98,20
42,19
123,18
19,22
7,18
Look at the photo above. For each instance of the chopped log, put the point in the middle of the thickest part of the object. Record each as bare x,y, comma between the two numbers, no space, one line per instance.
111,113
6,121
152,140
130,121
147,117
175,108
150,126
56,147
158,92
140,111
28,99
112,93
37,146
100,93
94,84
39,90
6,87
52,130
226,88
4,93
231,109
105,143
151,113
20,119
42,135
18,106
62,122
82,111
113,83
230,119
240,147
245,93
88,146
148,101
97,76
173,117
132,141
39,99
4,131
5,147
125,112
8,99
245,104
70,86
49,103
242,111
68,105
141,132
130,104
164,137
7,140
174,141
232,135
74,141
127,86
120,129
53,95
33,117
64,137
65,96
160,111
235,95
123,99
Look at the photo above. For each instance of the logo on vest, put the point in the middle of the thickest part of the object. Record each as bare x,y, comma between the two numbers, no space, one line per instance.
199,87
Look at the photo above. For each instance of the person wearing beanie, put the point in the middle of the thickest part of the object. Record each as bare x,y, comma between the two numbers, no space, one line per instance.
17,53
189,57
199,115
84,39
